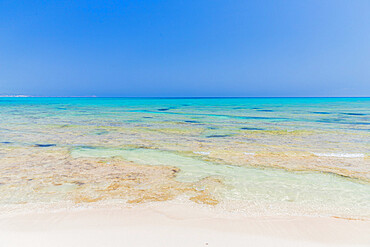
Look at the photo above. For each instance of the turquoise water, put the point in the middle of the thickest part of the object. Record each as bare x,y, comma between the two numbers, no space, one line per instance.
302,155
350,114
314,192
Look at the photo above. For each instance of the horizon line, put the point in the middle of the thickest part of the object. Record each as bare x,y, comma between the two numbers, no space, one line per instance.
176,97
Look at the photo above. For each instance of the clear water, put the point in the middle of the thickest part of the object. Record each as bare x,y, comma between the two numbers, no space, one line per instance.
302,155
306,191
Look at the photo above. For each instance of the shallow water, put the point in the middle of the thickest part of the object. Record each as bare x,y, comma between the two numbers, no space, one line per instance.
282,155
306,191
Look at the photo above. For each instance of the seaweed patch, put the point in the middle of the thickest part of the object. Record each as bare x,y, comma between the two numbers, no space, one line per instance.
321,112
354,114
248,128
217,136
266,110
44,145
191,121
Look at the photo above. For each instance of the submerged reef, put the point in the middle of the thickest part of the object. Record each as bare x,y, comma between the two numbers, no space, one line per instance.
29,175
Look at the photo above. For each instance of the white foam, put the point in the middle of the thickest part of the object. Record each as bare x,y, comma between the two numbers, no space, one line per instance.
341,155
205,153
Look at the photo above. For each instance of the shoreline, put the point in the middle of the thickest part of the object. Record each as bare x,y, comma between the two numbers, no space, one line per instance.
173,224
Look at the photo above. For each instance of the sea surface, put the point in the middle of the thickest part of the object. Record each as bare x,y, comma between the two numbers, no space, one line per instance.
257,156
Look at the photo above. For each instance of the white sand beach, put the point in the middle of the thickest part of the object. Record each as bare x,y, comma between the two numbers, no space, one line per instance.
171,224
185,123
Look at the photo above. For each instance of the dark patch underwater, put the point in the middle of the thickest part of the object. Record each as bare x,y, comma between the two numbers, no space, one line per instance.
321,112
247,128
217,136
44,145
354,114
191,121
266,110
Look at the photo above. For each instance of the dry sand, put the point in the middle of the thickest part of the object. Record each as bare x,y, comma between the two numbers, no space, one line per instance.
171,224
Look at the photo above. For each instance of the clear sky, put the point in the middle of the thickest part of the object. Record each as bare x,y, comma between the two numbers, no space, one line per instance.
185,48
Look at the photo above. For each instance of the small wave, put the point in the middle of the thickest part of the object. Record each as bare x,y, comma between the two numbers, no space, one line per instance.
342,155
205,153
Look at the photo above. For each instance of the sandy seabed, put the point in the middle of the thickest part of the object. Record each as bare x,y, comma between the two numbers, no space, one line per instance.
172,224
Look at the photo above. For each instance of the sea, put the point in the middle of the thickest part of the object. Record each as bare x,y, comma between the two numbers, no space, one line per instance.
256,156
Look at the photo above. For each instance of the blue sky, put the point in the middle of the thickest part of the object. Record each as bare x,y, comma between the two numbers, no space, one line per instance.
185,48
